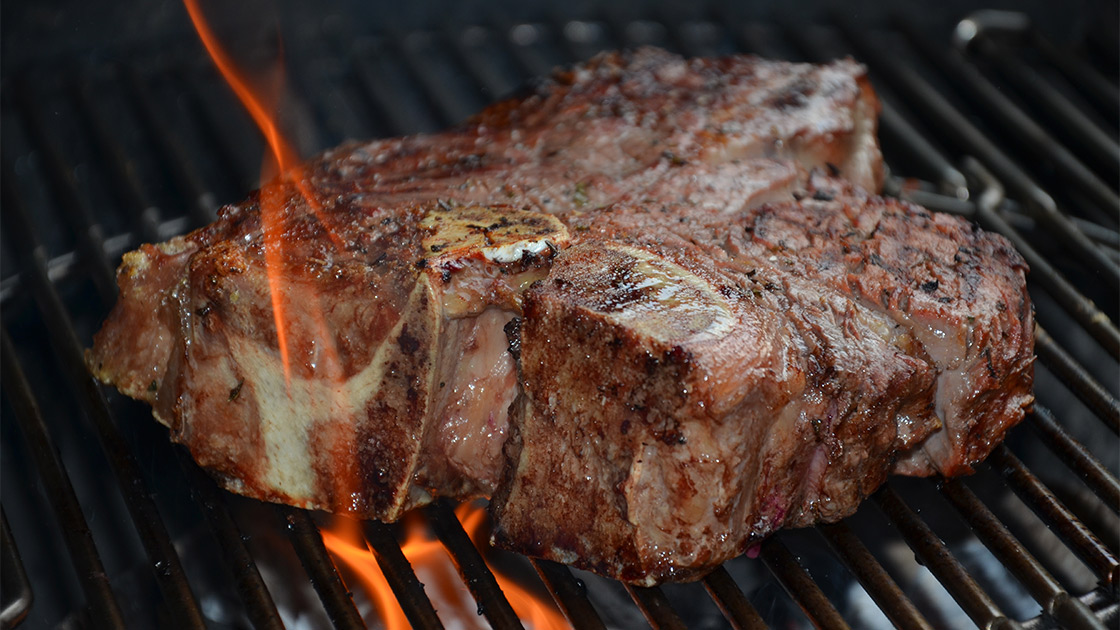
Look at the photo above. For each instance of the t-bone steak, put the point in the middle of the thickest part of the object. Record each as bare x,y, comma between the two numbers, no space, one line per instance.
654,309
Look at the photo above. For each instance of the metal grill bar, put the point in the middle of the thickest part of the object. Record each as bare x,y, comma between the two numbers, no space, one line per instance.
936,556
18,596
1000,109
60,492
451,106
655,607
153,534
922,96
1083,131
569,594
530,61
732,602
1092,393
492,603
400,576
1099,89
487,77
378,95
65,190
142,213
1073,532
1095,322
800,586
179,165
1076,456
1056,602
308,543
247,577
874,578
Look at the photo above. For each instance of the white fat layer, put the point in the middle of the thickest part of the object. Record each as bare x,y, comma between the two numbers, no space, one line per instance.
289,413
512,252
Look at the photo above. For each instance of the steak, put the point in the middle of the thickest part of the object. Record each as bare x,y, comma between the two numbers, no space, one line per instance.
633,288
380,291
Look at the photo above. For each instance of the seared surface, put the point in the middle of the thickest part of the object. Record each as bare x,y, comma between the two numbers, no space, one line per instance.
689,387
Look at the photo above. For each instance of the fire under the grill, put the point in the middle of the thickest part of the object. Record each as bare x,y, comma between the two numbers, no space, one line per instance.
1009,122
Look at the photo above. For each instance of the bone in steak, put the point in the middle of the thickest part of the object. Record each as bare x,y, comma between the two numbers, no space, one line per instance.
700,323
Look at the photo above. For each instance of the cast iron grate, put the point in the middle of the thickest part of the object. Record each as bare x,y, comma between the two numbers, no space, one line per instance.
1003,127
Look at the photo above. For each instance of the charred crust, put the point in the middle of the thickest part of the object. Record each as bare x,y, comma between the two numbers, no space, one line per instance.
677,355
513,337
671,437
988,362
233,393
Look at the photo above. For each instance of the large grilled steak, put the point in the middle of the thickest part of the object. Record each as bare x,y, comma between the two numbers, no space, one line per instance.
632,295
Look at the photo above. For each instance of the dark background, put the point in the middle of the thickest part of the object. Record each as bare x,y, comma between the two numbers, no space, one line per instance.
33,30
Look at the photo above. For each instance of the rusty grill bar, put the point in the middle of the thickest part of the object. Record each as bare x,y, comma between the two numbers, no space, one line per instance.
395,82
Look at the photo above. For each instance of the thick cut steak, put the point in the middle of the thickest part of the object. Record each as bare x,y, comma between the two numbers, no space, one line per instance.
633,289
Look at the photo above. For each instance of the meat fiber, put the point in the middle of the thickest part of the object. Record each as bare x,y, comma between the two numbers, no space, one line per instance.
696,321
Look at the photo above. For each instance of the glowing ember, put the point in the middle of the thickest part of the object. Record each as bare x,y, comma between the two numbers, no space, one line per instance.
432,563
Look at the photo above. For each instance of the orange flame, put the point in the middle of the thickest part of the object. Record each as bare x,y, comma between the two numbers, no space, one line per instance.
428,555
287,163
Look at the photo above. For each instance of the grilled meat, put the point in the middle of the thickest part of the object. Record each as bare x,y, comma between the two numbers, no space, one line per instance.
707,327
688,388
392,306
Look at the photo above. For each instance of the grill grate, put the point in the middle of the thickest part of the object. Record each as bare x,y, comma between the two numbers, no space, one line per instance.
177,143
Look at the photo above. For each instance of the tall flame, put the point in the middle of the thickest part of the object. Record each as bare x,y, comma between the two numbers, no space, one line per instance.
286,162
422,551
428,555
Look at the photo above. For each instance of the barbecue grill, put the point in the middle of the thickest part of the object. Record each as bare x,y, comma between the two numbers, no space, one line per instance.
1007,121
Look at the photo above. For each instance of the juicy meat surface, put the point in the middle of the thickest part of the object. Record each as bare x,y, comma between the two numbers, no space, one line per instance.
631,289
688,388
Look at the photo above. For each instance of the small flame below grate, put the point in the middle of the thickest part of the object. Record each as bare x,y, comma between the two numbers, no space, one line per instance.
433,565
